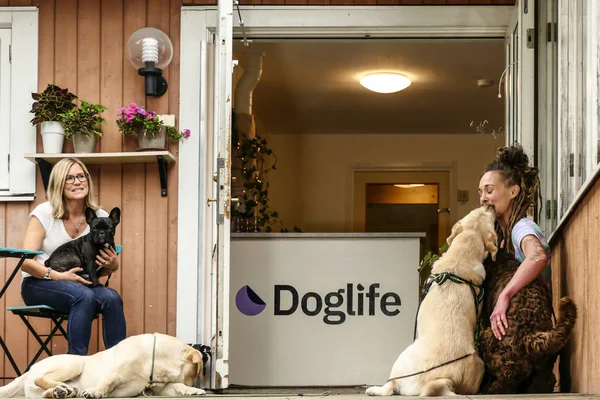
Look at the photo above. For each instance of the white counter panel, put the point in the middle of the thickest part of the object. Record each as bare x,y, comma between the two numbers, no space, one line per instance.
289,336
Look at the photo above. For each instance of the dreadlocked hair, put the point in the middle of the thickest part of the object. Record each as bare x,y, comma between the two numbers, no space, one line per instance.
513,165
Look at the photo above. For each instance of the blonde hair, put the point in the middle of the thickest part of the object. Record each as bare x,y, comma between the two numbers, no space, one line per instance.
56,187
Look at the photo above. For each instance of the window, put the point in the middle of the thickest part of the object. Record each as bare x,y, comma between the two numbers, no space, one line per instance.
568,88
4,106
548,114
18,79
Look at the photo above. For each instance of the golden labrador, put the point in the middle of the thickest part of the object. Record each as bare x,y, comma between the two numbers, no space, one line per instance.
442,360
162,364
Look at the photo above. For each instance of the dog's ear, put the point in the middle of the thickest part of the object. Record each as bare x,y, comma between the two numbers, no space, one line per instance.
115,215
490,243
90,215
195,357
456,229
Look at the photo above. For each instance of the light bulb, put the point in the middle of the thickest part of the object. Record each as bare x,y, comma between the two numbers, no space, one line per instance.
150,50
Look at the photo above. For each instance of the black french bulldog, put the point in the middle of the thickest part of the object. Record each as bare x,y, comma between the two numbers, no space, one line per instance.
82,251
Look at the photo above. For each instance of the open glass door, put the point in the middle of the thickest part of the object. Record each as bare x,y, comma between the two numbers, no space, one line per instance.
204,195
222,191
520,75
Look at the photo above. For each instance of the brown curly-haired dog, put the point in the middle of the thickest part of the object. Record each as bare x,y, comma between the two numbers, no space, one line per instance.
523,360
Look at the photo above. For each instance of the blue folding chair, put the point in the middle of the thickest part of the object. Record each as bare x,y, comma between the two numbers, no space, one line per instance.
22,255
41,311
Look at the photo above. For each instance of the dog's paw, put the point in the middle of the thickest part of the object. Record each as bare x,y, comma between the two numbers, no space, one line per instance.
92,394
373,391
194,392
64,391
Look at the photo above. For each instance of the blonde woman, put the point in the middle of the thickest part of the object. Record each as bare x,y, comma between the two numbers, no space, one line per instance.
57,221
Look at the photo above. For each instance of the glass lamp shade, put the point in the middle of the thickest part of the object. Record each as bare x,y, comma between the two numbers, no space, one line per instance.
149,45
385,82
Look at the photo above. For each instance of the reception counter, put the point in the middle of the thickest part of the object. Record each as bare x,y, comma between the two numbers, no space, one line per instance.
320,309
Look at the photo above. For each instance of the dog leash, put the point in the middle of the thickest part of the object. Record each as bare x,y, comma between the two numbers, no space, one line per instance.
151,379
432,368
440,279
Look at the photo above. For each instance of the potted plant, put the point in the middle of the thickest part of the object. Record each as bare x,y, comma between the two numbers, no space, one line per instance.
82,126
151,131
47,110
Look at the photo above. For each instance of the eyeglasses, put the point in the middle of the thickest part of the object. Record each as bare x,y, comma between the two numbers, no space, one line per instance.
70,179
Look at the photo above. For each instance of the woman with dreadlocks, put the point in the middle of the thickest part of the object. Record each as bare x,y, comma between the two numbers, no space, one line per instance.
512,187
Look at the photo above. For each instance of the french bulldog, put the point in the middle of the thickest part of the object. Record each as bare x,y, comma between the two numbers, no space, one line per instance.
82,251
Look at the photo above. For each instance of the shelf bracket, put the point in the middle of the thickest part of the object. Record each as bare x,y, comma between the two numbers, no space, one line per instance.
162,172
45,168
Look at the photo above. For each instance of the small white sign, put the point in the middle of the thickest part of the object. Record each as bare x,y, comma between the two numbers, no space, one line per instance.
320,311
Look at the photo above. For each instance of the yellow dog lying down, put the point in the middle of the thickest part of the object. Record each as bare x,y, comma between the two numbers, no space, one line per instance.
164,363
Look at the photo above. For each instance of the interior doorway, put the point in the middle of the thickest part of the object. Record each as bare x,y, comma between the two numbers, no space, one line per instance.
397,201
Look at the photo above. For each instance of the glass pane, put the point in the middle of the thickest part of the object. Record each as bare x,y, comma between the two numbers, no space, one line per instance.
583,24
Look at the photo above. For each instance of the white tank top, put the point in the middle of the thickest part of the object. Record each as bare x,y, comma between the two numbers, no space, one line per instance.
56,234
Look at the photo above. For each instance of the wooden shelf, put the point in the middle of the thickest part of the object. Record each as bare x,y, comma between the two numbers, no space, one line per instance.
105,158
46,161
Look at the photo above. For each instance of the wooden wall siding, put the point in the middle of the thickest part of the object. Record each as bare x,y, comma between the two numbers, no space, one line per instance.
576,273
362,2
82,47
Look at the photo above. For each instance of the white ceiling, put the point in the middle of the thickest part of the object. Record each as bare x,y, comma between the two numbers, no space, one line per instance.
312,86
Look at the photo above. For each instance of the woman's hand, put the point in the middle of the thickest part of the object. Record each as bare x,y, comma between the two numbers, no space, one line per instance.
108,259
71,275
498,320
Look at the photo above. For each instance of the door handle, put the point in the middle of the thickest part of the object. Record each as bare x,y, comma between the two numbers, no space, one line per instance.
441,210
211,200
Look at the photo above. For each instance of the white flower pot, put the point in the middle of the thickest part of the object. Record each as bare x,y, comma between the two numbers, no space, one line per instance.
84,144
53,136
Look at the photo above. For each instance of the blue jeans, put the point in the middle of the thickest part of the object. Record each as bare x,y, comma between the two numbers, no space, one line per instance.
82,303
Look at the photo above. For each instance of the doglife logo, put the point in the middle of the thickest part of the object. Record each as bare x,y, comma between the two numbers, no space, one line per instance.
336,306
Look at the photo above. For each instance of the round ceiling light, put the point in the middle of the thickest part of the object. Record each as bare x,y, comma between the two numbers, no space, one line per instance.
385,82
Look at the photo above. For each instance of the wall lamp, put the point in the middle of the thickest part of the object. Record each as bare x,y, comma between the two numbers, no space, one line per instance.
150,50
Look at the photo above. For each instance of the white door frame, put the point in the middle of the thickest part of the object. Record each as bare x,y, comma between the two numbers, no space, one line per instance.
198,24
520,78
448,167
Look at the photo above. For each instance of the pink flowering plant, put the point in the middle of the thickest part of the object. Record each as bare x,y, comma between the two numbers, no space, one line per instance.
134,119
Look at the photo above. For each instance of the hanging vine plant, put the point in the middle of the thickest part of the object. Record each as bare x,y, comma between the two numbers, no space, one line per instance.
257,159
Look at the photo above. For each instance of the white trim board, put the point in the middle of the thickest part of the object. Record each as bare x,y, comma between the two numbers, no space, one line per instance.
198,24
365,21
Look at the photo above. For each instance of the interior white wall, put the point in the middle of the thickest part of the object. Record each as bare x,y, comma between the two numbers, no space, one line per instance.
309,187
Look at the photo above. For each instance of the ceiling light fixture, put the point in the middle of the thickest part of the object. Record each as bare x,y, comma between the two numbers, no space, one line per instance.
385,82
